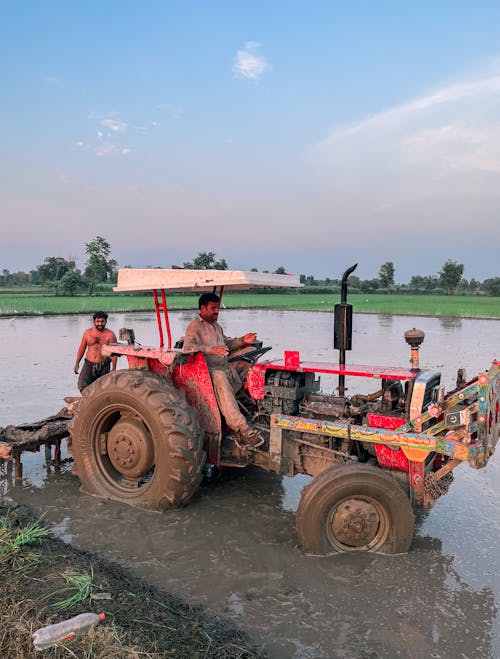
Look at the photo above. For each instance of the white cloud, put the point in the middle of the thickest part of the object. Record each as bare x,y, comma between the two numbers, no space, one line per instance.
103,148
428,153
456,148
105,141
249,64
417,107
114,125
107,149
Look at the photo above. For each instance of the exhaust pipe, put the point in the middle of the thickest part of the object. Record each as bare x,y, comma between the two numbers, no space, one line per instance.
342,326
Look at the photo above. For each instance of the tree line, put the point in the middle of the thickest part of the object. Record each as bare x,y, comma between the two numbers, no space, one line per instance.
449,280
63,277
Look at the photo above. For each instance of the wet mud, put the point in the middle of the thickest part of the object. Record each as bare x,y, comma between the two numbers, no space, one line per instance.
232,549
140,619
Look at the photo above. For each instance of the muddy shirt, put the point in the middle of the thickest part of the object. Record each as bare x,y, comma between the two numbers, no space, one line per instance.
202,336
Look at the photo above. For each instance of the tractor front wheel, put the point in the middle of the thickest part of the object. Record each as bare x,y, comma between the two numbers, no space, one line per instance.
349,508
135,438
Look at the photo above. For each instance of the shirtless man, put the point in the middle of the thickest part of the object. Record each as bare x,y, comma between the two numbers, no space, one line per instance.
204,334
92,341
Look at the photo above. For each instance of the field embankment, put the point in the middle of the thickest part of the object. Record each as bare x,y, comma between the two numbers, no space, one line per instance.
411,305
46,581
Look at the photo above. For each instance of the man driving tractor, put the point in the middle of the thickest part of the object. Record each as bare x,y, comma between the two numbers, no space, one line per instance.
204,334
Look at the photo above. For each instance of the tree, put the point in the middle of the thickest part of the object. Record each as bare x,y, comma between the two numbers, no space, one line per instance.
5,278
369,285
280,271
492,286
20,278
206,261
386,274
70,283
353,282
98,265
424,282
53,268
474,285
450,274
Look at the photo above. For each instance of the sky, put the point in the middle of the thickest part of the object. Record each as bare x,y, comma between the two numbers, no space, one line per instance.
308,135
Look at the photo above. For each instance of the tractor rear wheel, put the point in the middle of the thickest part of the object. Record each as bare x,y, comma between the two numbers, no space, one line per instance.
135,438
349,508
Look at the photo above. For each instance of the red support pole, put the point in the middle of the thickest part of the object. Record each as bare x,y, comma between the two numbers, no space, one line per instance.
167,323
158,317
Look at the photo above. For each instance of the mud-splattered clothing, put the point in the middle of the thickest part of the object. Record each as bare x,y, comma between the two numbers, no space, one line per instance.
91,372
202,337
227,379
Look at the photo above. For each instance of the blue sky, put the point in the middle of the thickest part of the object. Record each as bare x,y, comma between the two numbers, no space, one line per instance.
309,135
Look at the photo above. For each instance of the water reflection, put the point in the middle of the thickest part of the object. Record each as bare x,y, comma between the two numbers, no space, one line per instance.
450,323
385,320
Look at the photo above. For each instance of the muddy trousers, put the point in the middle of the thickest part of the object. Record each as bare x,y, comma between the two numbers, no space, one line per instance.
91,372
226,383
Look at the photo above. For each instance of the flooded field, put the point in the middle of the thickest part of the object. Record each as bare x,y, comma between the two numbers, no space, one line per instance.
233,548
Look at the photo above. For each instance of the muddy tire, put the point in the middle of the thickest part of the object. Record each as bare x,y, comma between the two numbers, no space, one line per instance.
135,438
349,508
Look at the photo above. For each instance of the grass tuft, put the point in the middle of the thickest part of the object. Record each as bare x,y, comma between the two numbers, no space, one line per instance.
79,585
15,541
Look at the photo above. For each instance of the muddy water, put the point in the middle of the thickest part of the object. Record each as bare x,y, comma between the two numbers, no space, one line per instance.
232,549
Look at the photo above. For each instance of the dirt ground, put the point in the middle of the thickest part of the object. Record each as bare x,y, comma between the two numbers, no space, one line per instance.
141,620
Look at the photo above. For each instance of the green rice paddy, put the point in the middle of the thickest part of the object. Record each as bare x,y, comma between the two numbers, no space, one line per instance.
413,305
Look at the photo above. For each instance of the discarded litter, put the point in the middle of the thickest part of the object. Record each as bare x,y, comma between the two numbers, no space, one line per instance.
66,630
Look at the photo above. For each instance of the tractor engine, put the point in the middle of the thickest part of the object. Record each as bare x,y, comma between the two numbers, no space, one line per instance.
285,390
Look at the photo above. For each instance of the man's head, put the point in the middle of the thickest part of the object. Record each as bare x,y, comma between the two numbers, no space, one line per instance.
100,318
209,304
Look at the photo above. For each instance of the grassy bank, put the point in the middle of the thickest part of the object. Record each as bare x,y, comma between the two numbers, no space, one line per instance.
414,305
46,581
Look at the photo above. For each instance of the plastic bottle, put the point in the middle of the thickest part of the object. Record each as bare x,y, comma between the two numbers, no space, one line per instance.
64,631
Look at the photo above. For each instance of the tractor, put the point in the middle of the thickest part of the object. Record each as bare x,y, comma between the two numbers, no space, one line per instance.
144,435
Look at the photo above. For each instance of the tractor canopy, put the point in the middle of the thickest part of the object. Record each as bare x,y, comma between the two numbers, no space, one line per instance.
158,281
199,281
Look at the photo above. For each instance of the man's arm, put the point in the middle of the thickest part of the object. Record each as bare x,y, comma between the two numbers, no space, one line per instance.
235,344
81,351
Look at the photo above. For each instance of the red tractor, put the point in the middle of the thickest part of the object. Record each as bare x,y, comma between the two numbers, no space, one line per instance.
143,435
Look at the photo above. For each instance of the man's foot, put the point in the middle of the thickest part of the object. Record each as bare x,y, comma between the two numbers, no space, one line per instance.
249,437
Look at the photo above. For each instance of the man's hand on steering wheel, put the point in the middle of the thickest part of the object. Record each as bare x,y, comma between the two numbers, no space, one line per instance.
220,351
249,354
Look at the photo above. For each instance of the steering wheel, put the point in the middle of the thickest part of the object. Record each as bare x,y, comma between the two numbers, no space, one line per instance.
250,354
